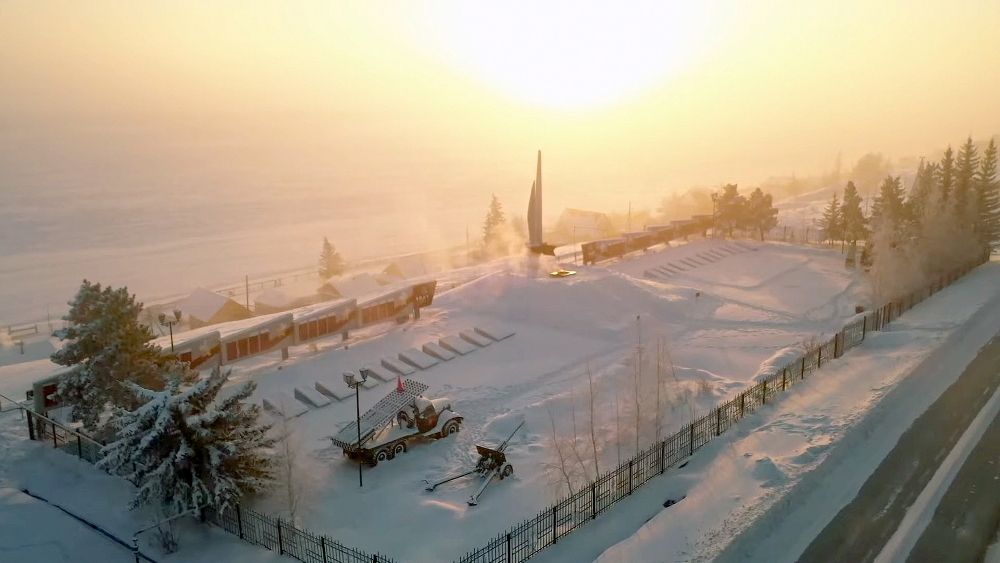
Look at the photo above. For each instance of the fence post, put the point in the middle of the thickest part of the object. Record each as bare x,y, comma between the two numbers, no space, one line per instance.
743,397
718,420
239,520
836,342
663,456
802,374
31,427
864,327
79,446
784,382
630,477
555,531
763,395
322,546
690,442
819,357
508,547
55,441
281,547
593,510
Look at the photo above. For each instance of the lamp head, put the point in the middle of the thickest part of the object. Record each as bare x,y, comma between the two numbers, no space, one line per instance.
162,318
364,374
350,378
177,315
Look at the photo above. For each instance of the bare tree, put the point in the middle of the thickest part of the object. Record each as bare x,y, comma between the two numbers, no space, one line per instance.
637,381
560,455
573,444
291,484
618,427
593,436
659,384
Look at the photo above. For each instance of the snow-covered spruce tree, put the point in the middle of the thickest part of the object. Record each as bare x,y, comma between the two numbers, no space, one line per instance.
761,216
852,216
107,348
330,262
966,167
988,195
830,222
184,448
730,211
492,227
946,173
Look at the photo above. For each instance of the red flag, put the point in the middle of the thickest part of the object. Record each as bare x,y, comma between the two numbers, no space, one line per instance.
399,385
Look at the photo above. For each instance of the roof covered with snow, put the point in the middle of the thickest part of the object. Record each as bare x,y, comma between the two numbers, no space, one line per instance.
203,304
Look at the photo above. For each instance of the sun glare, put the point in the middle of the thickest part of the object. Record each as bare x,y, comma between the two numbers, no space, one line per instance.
568,55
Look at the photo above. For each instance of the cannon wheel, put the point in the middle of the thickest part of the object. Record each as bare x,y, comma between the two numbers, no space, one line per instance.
450,428
508,470
384,454
398,449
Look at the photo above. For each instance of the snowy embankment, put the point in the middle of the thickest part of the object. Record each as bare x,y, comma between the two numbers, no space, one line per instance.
763,490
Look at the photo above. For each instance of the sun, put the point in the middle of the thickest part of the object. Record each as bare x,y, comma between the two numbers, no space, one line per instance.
568,55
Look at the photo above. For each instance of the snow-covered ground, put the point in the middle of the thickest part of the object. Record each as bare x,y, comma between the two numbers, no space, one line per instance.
762,491
718,320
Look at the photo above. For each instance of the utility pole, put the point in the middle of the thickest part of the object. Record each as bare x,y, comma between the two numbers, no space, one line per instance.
628,222
247,280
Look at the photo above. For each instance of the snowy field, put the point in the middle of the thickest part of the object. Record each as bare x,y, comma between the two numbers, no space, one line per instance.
718,320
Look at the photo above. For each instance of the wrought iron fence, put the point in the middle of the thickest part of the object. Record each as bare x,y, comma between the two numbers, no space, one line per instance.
277,535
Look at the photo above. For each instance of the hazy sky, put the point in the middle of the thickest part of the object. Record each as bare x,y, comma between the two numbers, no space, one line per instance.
623,98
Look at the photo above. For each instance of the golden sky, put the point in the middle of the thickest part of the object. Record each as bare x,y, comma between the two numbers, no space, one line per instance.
621,97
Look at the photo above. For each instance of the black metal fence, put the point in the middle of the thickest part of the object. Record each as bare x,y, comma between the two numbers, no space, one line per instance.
277,535
524,540
62,438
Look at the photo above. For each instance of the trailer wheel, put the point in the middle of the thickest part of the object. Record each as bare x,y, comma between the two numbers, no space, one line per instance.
398,449
385,454
450,428
508,470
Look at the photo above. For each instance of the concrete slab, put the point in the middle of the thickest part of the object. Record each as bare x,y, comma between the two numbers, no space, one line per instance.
278,402
417,359
496,332
335,390
380,373
311,397
475,338
396,366
434,349
456,345
370,383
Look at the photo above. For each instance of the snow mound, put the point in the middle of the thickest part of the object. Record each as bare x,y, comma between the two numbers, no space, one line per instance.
778,360
380,373
334,391
475,338
765,471
397,366
279,403
497,333
311,397
456,345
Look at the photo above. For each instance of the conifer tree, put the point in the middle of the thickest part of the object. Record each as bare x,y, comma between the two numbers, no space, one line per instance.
760,215
923,185
491,226
966,167
731,209
184,448
831,222
988,195
889,202
330,262
852,216
107,347
946,173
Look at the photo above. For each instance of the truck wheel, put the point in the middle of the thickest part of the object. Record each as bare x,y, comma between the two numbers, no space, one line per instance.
385,454
508,470
450,428
398,449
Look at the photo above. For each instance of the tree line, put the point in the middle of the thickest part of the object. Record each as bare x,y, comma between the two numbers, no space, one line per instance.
950,215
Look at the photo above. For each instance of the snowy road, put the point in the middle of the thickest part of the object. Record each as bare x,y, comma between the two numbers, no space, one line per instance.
861,529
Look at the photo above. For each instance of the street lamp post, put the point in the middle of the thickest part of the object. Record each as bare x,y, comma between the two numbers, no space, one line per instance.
715,196
354,381
170,324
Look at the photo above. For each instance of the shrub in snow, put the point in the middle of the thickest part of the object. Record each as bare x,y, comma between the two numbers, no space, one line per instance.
184,449
107,349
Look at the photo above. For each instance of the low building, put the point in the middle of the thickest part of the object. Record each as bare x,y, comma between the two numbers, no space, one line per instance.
576,225
204,307
276,300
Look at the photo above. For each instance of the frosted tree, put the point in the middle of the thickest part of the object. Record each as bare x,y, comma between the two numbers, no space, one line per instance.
946,173
852,216
185,448
966,168
923,185
730,211
760,214
988,195
492,225
889,203
330,262
830,223
107,348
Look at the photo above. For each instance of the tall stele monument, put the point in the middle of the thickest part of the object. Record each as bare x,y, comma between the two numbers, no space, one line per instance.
535,244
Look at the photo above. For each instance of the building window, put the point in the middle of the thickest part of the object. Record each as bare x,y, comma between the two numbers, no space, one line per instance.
231,351
254,344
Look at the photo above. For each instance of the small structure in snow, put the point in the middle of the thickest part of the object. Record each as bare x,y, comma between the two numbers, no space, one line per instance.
435,350
356,286
475,338
204,307
276,300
